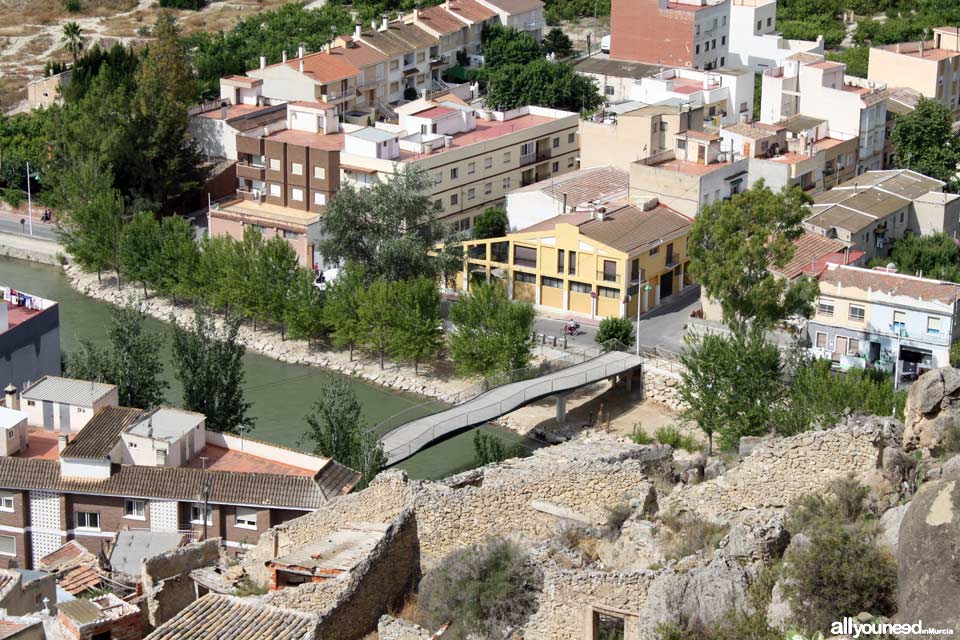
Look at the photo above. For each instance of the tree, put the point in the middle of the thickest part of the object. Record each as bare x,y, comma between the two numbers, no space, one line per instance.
490,333
557,42
490,449
733,245
615,332
933,256
208,362
340,311
276,269
504,46
556,85
73,40
390,229
418,334
304,315
856,58
140,248
492,223
176,261
731,384
925,142
132,362
377,316
339,431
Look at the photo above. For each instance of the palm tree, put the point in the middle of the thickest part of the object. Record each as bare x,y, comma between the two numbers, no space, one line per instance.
73,39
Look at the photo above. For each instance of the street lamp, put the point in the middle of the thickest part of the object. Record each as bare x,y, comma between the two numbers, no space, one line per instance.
646,288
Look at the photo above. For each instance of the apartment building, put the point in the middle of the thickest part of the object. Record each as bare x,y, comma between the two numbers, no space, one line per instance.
476,16
853,107
160,470
522,15
683,33
754,40
615,78
600,263
632,131
726,95
325,76
930,67
458,38
64,404
29,338
47,91
413,55
473,157
870,211
881,318
575,191
692,175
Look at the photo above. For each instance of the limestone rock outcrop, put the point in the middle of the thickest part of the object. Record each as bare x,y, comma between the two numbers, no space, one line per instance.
933,407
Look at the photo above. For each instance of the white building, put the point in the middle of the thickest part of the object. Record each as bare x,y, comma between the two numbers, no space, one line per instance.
576,191
809,85
64,404
522,15
754,39
13,431
164,437
726,95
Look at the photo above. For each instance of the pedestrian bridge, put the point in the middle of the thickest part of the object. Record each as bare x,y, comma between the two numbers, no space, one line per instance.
409,438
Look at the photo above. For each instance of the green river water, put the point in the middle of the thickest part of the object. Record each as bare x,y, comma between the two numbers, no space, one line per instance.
282,394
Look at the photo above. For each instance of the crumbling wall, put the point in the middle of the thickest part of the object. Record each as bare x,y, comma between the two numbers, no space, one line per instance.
663,387
781,470
390,628
521,498
351,605
167,585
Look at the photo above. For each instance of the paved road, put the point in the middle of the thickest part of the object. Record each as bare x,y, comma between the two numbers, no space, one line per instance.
10,222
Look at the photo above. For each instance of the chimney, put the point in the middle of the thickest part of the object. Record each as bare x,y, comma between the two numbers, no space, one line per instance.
284,55
416,13
300,51
263,62
564,210
301,65
384,24
601,213
11,401
223,111
61,442
356,31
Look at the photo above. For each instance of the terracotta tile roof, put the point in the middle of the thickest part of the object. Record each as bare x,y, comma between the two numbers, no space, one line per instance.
624,228
471,10
398,39
808,249
585,185
98,437
186,484
10,629
440,20
70,554
434,112
7,579
79,579
516,6
218,617
324,67
896,284
311,104
359,55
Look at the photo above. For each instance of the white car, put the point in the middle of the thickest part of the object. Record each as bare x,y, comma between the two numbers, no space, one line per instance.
605,44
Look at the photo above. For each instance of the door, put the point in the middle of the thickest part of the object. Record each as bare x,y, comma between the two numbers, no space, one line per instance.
874,352
666,285
47,414
64,417
839,347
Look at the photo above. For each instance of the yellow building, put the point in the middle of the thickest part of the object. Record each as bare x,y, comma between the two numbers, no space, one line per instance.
591,264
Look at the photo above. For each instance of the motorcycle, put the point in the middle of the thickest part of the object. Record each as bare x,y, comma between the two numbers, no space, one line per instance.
571,329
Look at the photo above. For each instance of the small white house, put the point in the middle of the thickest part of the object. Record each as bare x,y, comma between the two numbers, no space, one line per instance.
164,437
13,431
65,404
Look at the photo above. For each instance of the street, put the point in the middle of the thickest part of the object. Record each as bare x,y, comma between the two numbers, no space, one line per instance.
10,223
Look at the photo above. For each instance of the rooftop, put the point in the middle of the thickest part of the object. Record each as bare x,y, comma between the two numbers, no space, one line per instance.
902,100
840,217
584,185
165,423
679,6
328,142
132,547
805,57
440,20
807,250
434,112
17,315
616,68
76,392
216,617
486,130
43,445
398,39
101,433
221,459
902,182
926,50
104,608
231,111
359,54
373,134
471,10
321,66
754,131
894,284
10,418
826,64
337,552
517,6
271,213
690,168
800,123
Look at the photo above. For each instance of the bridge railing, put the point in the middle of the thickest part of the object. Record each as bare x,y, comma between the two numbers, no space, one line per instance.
499,405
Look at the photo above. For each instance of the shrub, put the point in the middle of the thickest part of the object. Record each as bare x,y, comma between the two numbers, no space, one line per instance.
410,93
12,196
72,6
955,354
615,330
671,435
617,515
840,573
686,535
247,587
482,590
950,442
489,449
845,501
640,436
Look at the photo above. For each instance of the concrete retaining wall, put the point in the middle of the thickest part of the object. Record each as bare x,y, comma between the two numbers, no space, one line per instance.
34,249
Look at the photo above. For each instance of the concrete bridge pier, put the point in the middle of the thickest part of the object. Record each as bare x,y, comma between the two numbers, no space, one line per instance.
561,408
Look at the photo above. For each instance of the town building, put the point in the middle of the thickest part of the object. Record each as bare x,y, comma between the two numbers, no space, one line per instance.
932,67
13,431
884,319
64,404
694,174
47,91
632,131
473,157
725,94
601,263
755,41
158,471
615,78
322,76
870,211
29,338
853,107
901,101
101,618
221,616
25,591
683,33
522,15
574,191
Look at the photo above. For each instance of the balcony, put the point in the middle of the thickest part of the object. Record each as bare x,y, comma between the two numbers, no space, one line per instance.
250,171
528,158
604,276
544,154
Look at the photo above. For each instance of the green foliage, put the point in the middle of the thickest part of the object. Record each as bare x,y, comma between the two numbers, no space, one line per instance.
390,229
343,301
377,315
490,449
934,256
731,384
955,354
639,436
72,6
543,83
686,535
304,314
733,243
490,333
556,11
247,587
13,197
615,332
274,276
484,591
557,42
176,261
504,46
338,430
924,141
492,223
73,39
856,59
132,362
671,435
950,442
417,333
208,362
190,5
139,249
845,502
831,30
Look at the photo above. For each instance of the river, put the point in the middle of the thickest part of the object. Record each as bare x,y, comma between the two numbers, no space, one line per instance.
281,394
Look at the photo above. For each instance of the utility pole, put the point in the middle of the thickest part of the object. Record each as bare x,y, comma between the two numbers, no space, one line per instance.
29,200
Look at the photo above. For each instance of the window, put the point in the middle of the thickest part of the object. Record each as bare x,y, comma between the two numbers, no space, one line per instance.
320,199
524,256
723,61
471,194
696,49
821,340
246,518
463,224
292,235
88,520
706,46
196,514
506,157
296,194
933,325
769,21
487,163
395,65
8,546
607,292
856,313
320,173
506,183
580,287
853,347
274,190
899,321
555,167
438,177
555,283
723,40
162,453
134,509
571,138
560,260
6,499
296,168
825,308
454,199
609,271
454,173
572,263
31,403
608,90
759,25
681,144
655,251
521,276
438,204
471,168
556,142
570,162
488,188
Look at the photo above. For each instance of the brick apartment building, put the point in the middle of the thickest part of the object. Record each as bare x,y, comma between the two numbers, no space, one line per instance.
158,470
684,33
